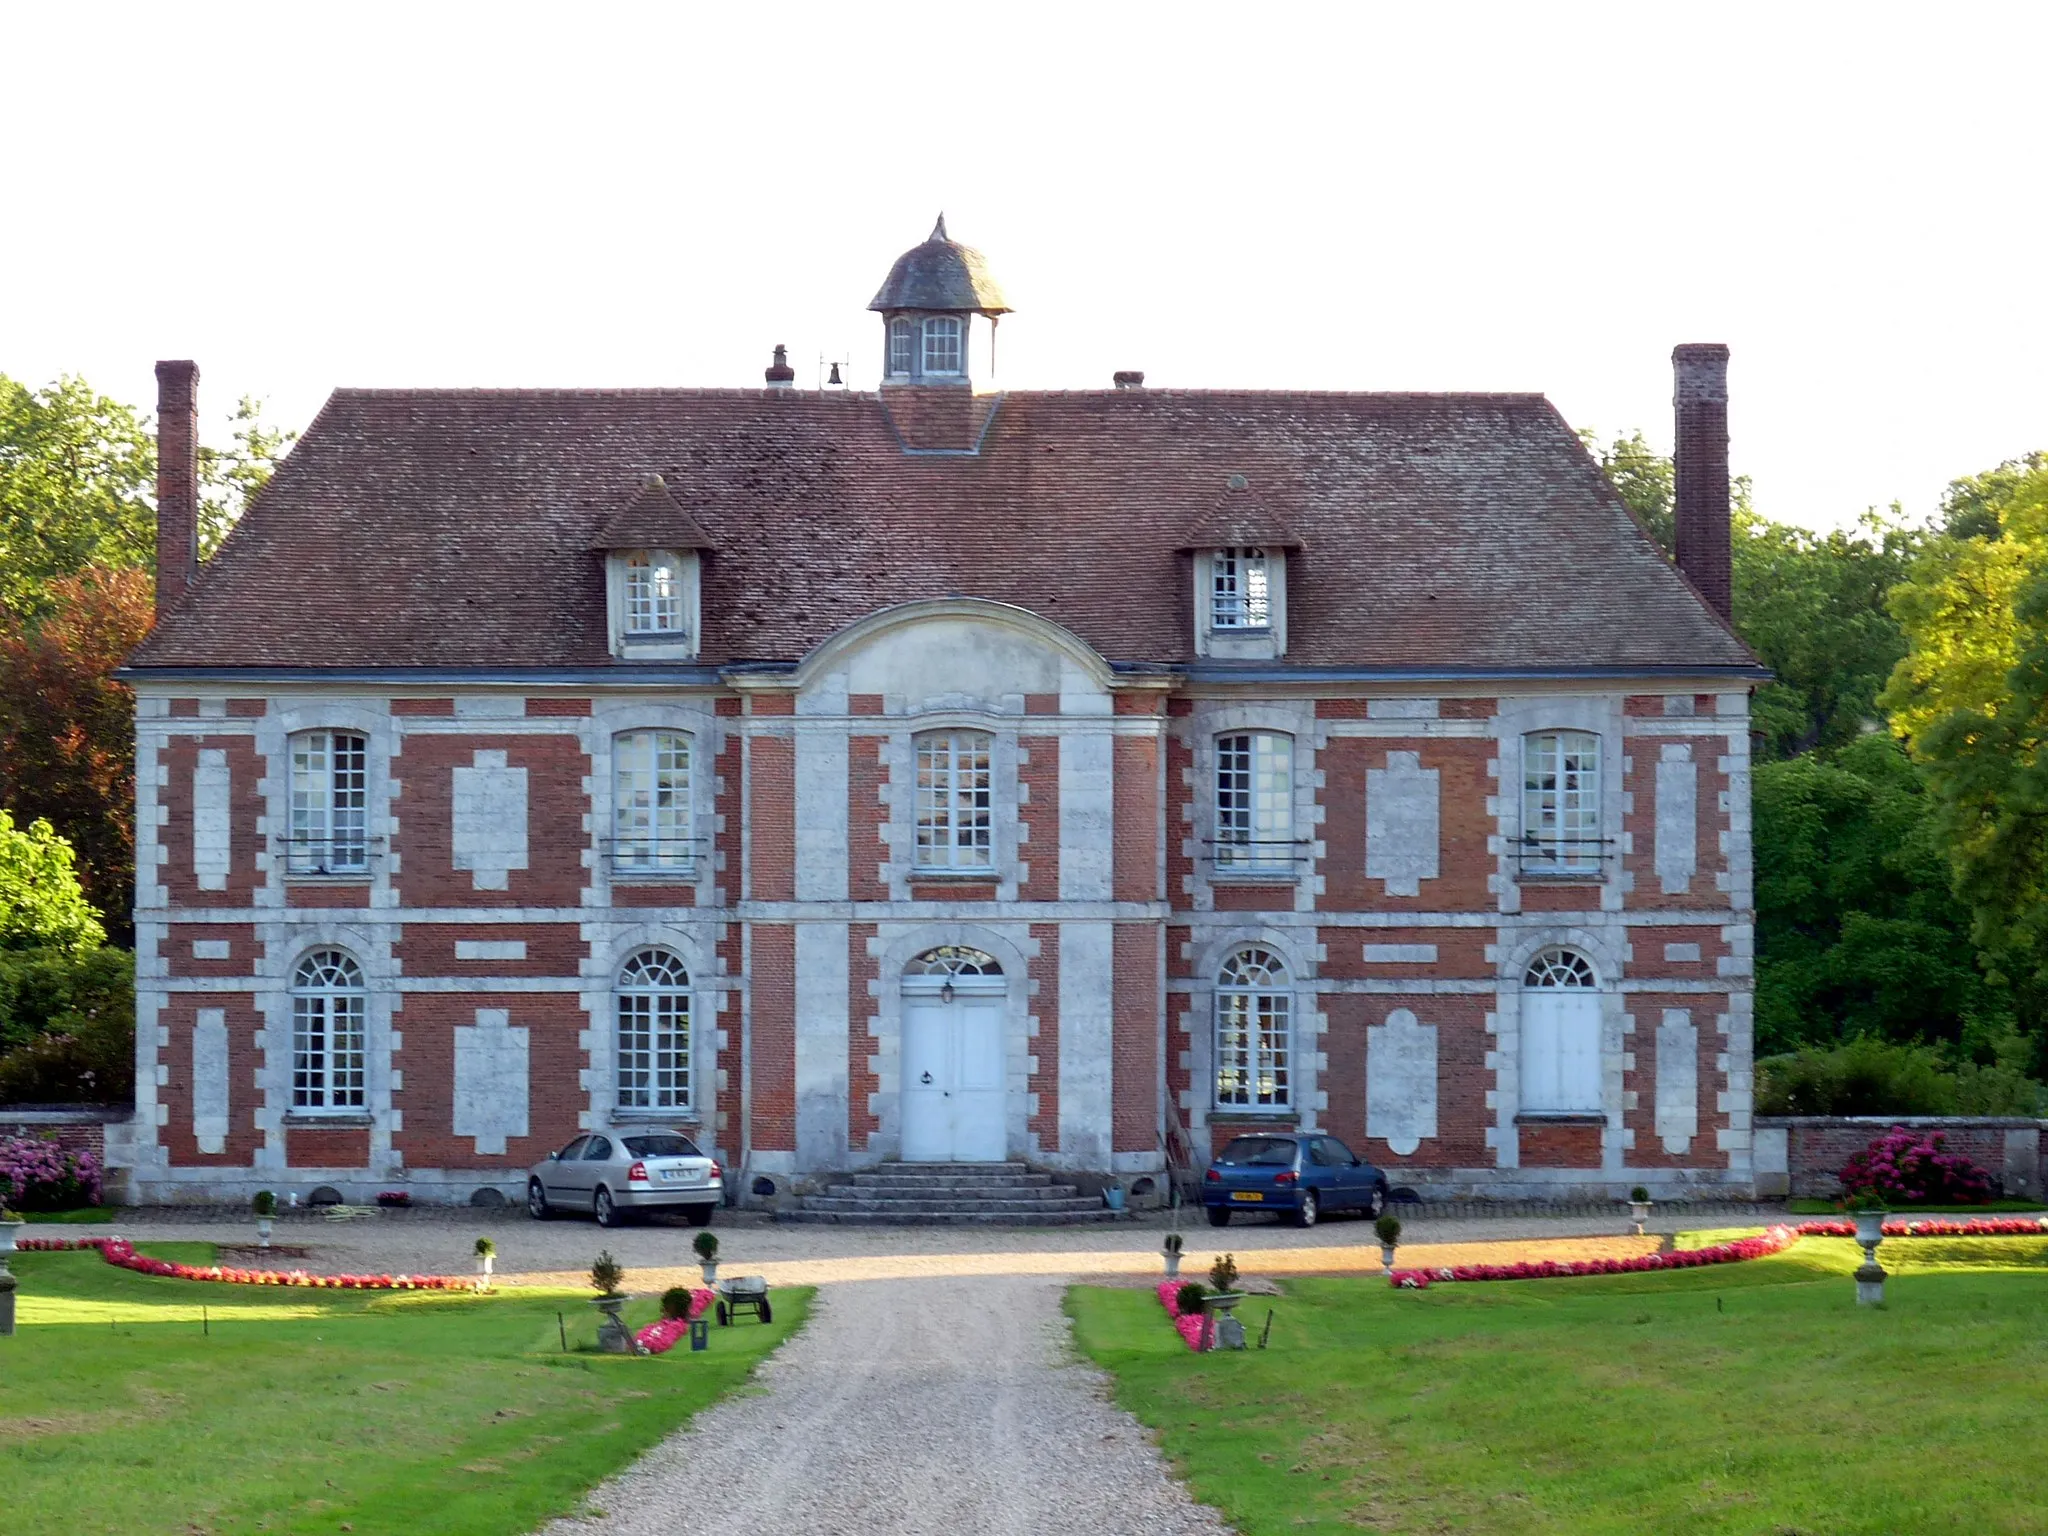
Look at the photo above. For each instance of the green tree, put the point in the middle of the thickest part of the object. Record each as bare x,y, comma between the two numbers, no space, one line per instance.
1971,698
1858,932
41,903
1645,480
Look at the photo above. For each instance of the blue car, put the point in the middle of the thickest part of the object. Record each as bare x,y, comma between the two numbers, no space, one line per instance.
1300,1175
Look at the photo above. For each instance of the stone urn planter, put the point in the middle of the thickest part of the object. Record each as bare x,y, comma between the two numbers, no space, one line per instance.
706,1246
1870,1275
486,1262
613,1336
1639,1207
1224,1330
9,1230
1170,1252
1387,1228
264,1209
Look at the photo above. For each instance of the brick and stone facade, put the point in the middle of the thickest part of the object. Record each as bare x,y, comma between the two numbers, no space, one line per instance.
490,914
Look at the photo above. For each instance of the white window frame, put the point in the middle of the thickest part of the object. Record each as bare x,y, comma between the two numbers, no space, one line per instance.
1561,818
1253,803
652,1048
677,606
954,802
330,804
1561,1073
330,1035
1254,1031
654,594
1241,591
945,346
653,779
901,347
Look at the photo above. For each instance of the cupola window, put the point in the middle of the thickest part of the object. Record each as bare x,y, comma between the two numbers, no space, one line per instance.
942,344
899,347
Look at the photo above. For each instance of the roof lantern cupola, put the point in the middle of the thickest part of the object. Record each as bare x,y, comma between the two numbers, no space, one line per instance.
928,304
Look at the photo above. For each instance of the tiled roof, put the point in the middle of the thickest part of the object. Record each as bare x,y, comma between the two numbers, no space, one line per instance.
653,519
422,528
941,274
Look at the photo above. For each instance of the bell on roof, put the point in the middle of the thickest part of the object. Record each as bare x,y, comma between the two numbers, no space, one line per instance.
928,305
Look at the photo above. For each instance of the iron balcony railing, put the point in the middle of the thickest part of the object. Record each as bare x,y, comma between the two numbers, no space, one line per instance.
1257,855
654,858
344,854
1580,857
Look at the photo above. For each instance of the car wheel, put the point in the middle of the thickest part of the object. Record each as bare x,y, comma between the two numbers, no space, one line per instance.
1306,1215
1219,1215
698,1215
1376,1206
537,1201
602,1208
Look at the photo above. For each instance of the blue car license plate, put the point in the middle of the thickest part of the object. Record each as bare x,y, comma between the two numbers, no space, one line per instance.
1246,1194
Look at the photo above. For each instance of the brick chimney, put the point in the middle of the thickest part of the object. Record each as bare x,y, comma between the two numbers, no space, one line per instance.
1700,400
177,481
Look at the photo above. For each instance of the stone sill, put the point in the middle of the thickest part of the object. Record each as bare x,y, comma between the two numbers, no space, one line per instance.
327,1122
1254,1117
1560,877
1562,1117
645,1117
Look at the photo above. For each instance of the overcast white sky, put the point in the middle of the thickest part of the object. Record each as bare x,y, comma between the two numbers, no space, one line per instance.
1361,197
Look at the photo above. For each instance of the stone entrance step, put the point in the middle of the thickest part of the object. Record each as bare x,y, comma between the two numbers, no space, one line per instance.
949,1194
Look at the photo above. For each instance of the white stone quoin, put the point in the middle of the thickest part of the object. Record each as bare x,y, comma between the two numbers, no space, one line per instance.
489,832
1401,815
1400,1082
210,1081
491,1080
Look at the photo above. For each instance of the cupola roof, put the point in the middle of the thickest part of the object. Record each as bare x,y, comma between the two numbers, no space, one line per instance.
941,274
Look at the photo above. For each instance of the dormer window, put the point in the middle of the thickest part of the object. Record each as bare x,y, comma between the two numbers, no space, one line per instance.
942,345
1241,597
899,347
654,593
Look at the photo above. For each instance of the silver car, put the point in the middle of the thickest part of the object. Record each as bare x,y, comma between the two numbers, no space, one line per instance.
618,1174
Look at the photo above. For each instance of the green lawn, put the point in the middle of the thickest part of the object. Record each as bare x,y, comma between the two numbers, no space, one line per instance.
1908,1212
1752,1398
122,1409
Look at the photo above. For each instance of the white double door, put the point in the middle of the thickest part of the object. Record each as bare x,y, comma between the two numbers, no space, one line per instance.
953,1077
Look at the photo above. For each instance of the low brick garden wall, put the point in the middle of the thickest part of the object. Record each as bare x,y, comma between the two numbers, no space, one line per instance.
1797,1155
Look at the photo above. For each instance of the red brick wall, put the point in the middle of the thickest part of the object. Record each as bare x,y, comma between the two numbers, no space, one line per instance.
327,1146
1040,775
351,897
1560,1146
1460,954
1179,829
1463,1077
179,1013
1648,1012
771,821
1135,1043
556,767
1644,753
867,818
862,969
1135,807
1045,1082
428,1021
428,949
243,950
1463,863
774,1015
180,754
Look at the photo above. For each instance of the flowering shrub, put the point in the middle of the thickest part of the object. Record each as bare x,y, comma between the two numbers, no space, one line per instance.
36,1174
1929,1226
1187,1324
1774,1241
394,1197
1916,1168
121,1253
658,1338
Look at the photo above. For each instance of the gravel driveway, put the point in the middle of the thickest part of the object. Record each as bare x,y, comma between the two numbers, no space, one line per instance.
945,1405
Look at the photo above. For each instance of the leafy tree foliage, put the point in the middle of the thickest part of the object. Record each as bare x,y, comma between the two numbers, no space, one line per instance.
1811,605
1971,697
77,477
41,904
67,735
67,1026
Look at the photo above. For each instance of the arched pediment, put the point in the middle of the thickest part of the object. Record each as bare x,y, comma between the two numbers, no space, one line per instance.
956,647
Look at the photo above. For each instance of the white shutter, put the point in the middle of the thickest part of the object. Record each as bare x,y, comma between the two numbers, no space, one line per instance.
1578,1052
1539,1050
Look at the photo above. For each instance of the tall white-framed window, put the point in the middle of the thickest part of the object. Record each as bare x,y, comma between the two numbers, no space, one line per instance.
955,821
1560,1066
899,347
1255,802
1240,590
1561,803
330,806
651,819
652,1003
329,1034
1254,1031
942,344
654,593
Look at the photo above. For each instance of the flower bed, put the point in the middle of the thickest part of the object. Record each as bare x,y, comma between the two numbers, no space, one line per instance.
659,1337
36,1174
1776,1240
121,1253
1187,1324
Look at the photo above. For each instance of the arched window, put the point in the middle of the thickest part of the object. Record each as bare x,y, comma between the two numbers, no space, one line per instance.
954,801
653,1003
1255,803
1254,1015
1561,1056
942,344
654,593
328,1033
651,803
1561,803
330,806
899,347
952,960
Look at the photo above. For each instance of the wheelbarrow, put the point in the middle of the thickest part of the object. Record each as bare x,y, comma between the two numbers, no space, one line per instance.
744,1293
